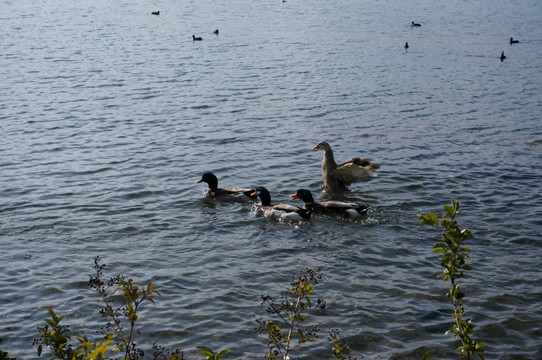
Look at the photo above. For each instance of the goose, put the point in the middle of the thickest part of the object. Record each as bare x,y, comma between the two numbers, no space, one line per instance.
337,177
334,208
283,212
227,194
155,13
512,41
196,38
502,56
416,24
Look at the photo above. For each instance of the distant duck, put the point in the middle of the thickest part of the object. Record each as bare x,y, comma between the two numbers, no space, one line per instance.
283,212
406,45
416,24
334,208
226,194
502,56
196,38
336,177
155,13
215,32
512,41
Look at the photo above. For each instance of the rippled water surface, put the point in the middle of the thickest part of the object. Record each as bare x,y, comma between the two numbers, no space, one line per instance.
109,115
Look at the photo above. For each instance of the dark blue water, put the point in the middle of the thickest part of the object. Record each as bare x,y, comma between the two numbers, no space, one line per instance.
109,115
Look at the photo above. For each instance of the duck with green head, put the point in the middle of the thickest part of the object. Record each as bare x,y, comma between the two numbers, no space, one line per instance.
331,207
228,193
283,212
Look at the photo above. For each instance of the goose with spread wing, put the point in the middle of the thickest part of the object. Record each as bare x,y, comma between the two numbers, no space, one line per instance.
283,212
331,207
337,177
227,194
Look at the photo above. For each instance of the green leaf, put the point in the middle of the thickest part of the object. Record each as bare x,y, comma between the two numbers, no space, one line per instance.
222,353
427,354
455,205
429,219
450,211
206,351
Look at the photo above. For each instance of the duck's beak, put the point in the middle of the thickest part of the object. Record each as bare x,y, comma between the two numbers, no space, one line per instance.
294,196
315,147
200,180
255,193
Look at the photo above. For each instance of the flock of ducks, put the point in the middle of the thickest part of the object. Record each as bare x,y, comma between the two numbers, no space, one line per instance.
502,57
194,37
336,178
406,46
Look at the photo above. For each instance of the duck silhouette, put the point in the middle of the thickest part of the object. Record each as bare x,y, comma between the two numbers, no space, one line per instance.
406,45
196,38
155,13
502,56
416,24
215,32
512,41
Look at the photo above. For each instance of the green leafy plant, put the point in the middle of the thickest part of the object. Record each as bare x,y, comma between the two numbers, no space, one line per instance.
454,257
284,334
122,299
338,347
132,295
210,354
5,355
56,337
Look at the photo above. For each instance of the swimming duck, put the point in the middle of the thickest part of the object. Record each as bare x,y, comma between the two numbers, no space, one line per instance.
406,45
227,194
512,41
215,32
196,38
416,24
335,208
155,13
502,56
336,177
280,211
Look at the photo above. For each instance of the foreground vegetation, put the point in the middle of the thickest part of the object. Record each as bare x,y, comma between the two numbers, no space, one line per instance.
123,298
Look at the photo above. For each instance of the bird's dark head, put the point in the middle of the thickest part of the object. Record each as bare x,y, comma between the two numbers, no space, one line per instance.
210,179
304,195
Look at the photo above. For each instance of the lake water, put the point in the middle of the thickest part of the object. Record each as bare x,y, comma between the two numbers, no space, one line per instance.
109,115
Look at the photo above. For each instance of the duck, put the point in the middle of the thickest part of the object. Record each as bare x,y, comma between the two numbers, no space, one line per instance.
155,13
282,212
196,38
226,194
502,56
337,177
331,207
512,41
406,45
416,24
215,32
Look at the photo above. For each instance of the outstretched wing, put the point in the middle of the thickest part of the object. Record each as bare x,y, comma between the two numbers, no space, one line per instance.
356,170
